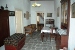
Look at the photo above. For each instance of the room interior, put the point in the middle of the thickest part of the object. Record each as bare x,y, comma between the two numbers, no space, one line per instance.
61,13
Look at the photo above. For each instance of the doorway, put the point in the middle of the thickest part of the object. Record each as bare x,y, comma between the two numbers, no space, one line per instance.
40,20
18,20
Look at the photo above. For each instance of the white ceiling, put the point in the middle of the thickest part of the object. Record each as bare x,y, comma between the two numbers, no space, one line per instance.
41,0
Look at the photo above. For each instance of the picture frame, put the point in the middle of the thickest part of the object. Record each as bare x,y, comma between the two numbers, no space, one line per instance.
49,14
24,15
11,13
27,15
58,12
73,10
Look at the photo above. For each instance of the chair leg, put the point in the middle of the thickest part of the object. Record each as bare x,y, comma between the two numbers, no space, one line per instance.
50,39
42,36
31,34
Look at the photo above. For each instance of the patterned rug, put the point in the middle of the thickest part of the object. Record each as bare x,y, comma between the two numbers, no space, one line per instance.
35,43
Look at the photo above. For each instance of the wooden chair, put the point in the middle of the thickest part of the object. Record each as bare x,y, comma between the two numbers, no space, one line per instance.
28,30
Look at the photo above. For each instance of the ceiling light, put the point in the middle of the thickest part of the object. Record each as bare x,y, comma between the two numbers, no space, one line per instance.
36,5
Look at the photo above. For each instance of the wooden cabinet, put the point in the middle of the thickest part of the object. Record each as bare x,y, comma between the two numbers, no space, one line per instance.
50,22
64,41
65,18
61,41
58,40
4,25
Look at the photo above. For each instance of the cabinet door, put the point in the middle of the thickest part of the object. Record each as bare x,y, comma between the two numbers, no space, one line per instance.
4,26
64,14
1,33
1,29
4,18
64,41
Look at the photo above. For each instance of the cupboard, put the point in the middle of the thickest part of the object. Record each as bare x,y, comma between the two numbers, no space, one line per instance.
49,22
64,14
4,25
61,41
64,41
65,18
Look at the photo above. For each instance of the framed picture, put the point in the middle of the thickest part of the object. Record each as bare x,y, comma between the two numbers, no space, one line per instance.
73,10
11,13
49,14
58,12
27,15
24,15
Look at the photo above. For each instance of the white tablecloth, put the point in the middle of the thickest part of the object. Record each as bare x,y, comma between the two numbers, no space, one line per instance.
47,30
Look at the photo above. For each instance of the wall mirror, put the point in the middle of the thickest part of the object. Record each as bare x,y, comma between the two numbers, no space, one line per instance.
64,14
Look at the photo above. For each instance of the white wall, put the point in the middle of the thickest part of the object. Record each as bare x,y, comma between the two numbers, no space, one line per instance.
71,42
46,7
58,19
23,5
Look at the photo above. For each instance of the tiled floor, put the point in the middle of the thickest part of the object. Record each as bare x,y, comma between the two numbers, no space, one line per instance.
35,43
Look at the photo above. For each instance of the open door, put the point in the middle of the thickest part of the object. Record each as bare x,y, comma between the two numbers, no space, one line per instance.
40,20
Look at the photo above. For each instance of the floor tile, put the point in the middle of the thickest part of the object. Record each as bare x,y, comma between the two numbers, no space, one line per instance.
35,43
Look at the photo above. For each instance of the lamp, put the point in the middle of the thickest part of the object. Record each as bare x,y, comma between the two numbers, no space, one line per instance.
36,5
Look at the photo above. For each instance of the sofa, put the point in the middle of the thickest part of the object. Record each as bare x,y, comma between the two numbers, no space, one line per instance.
30,29
15,41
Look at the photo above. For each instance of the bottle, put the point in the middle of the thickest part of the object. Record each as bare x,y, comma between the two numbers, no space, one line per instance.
6,7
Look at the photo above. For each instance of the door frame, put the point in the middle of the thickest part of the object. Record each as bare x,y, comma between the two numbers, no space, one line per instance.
36,17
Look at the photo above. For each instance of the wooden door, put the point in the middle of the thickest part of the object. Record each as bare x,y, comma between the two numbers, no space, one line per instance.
18,15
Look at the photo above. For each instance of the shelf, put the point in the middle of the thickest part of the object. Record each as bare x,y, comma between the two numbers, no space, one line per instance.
50,21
